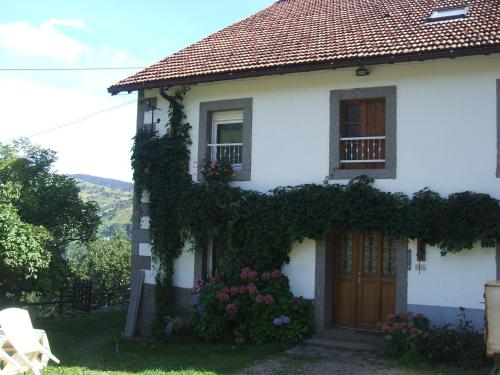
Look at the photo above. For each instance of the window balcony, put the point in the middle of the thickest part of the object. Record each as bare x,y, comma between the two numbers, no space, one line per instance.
232,152
362,149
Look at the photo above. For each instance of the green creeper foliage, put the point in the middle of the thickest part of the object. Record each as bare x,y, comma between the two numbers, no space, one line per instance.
161,166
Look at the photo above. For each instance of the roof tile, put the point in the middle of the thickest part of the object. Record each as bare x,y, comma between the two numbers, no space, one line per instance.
295,32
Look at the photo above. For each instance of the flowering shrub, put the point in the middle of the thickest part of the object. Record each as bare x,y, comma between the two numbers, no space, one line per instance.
403,333
221,170
409,336
259,308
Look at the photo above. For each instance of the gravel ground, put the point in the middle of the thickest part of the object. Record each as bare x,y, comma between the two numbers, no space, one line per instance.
322,362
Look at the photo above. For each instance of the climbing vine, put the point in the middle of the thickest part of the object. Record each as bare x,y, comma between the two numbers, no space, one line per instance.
249,228
161,167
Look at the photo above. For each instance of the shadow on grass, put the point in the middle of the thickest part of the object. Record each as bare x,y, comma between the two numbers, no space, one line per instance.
93,342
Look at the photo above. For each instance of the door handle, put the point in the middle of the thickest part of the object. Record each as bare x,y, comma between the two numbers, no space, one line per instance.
359,278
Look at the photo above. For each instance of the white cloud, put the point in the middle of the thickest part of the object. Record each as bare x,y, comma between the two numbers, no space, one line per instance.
43,40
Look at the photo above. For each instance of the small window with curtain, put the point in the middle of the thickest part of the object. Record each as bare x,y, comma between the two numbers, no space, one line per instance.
225,133
362,138
227,138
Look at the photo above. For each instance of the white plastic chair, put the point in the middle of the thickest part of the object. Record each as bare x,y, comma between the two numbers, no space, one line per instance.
11,366
17,327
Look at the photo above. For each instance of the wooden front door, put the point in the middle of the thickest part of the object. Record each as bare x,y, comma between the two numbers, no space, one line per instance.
364,278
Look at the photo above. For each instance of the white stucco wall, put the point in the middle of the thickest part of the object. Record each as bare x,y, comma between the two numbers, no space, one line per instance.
184,269
446,140
451,280
301,268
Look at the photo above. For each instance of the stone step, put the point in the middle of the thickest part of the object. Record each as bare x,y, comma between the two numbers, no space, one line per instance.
345,344
357,336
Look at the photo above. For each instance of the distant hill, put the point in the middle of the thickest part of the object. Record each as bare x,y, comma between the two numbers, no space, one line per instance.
114,198
109,182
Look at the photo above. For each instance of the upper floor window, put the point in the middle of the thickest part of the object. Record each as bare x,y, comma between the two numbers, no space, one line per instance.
225,132
363,133
227,138
362,138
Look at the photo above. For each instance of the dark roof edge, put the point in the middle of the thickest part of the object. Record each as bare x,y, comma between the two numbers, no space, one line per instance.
308,67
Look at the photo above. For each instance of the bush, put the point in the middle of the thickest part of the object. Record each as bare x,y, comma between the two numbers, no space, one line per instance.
405,333
105,262
409,337
259,308
462,346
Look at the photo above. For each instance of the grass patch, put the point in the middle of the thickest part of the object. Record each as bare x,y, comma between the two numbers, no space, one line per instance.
407,367
91,344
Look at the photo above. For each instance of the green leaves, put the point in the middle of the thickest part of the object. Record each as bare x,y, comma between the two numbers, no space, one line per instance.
45,199
23,252
105,261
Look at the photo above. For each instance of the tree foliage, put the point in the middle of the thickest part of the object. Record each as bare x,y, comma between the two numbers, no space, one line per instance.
49,200
106,262
23,253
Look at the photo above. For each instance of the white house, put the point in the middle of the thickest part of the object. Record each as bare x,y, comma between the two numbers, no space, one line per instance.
404,91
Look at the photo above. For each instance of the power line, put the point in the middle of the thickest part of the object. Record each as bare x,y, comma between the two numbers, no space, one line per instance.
70,69
76,121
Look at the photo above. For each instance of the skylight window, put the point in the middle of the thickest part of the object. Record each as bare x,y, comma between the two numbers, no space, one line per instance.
448,13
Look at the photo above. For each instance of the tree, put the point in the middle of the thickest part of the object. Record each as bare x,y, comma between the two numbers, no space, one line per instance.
50,200
23,254
104,261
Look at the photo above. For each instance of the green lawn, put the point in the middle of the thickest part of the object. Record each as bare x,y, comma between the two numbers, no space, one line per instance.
91,344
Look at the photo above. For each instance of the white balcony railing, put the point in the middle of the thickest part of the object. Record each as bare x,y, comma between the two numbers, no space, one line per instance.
362,149
232,152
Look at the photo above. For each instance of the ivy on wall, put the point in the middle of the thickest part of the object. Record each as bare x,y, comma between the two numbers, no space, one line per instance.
249,228
161,166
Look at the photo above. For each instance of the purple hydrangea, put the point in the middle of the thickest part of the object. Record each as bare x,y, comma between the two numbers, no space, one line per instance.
195,300
282,320
201,310
169,328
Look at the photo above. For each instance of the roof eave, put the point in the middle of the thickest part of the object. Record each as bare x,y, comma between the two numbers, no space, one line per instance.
308,67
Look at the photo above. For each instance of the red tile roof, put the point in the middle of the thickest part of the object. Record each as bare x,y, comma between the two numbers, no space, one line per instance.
298,35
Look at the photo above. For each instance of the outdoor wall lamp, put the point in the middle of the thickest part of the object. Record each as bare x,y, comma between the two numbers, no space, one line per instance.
362,72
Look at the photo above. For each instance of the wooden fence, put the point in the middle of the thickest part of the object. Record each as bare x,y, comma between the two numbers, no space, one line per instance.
80,296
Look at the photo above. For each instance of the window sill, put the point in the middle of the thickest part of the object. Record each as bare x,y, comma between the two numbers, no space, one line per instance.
240,175
349,174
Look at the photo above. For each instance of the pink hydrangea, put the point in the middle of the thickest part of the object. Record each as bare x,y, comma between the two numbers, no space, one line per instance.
231,309
252,289
247,273
259,298
222,297
265,276
235,290
276,274
243,289
225,290
215,279
268,299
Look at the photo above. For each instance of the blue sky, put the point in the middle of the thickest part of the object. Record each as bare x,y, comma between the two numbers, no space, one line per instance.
76,34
